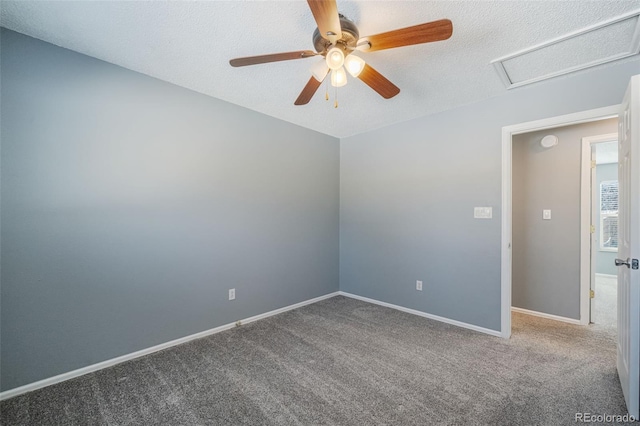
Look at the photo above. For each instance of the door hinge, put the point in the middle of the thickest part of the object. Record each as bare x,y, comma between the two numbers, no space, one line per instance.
592,229
592,294
593,164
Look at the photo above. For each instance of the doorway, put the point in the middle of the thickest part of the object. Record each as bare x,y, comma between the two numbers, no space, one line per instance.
600,174
507,219
628,303
546,236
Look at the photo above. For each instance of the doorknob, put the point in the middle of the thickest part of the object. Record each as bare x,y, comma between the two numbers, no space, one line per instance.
620,262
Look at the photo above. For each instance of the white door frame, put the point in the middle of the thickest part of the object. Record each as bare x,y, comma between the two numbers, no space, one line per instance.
587,213
507,134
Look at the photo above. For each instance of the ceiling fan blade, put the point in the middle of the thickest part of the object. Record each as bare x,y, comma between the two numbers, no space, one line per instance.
275,57
308,91
325,12
417,34
378,82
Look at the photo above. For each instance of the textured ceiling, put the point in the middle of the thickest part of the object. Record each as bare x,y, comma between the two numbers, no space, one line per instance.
190,44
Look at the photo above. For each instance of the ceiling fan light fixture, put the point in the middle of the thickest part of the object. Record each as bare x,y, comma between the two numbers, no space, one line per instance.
335,58
338,77
354,65
319,70
336,37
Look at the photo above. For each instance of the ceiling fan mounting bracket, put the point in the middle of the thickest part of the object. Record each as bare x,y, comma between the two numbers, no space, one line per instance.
347,42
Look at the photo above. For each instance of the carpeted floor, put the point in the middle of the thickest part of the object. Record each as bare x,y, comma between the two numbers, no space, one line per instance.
605,303
345,362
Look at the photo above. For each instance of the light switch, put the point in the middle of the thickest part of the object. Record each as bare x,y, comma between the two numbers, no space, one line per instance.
482,212
546,214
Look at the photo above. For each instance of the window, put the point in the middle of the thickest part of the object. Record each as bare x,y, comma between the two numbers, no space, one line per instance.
609,215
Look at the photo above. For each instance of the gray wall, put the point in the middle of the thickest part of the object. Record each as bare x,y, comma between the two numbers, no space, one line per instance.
605,259
407,194
130,206
546,253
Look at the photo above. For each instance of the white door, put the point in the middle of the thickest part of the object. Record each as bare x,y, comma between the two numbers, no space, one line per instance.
629,246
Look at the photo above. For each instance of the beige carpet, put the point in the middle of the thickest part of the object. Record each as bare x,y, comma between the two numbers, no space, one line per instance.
605,305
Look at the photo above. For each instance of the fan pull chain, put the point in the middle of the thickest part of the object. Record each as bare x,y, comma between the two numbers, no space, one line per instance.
326,87
335,105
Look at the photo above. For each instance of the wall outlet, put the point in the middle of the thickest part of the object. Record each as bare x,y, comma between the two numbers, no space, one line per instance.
546,214
232,294
419,285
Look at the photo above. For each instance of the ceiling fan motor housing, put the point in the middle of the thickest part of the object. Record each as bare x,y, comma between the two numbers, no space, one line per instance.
347,43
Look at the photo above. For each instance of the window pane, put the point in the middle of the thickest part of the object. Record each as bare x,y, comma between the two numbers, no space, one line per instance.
609,214
610,232
609,196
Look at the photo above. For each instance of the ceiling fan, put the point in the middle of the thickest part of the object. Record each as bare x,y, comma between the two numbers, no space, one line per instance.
337,37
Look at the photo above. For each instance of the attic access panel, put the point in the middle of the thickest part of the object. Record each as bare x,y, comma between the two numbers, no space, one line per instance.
598,44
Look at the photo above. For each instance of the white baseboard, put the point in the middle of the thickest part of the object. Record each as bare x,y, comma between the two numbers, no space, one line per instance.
111,362
547,316
425,315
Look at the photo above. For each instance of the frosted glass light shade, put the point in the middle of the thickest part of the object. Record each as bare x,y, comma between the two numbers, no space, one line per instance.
354,65
338,77
319,70
335,58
